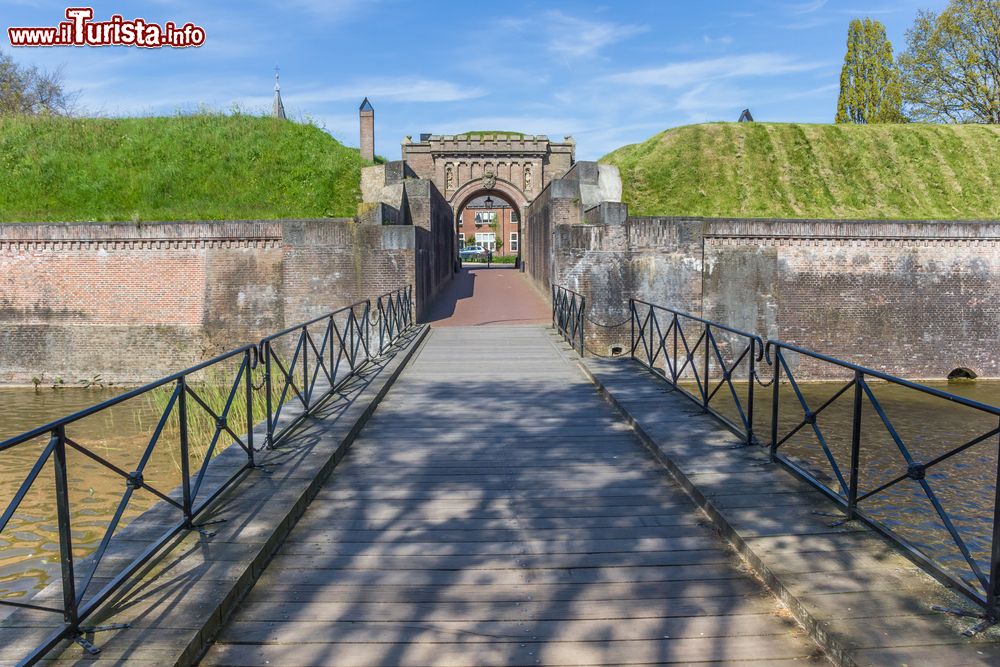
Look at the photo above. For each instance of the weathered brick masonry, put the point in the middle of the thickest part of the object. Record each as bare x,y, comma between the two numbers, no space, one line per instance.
133,303
917,299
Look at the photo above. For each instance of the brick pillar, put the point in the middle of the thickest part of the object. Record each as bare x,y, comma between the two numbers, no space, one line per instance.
367,118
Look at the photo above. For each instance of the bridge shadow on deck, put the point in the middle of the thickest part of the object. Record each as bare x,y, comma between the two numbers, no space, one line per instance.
503,520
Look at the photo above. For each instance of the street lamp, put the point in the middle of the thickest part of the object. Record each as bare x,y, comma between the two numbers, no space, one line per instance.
489,207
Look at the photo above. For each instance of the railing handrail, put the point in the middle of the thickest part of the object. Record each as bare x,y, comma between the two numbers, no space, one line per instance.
298,327
156,384
773,344
569,315
703,320
319,381
845,489
121,398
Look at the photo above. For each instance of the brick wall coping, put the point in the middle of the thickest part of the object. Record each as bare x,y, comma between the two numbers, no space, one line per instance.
839,229
89,232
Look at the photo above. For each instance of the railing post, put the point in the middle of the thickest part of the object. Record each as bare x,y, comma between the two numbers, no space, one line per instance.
331,339
367,330
993,593
704,380
410,315
631,314
186,502
750,383
852,489
554,307
774,404
249,392
268,391
583,315
305,366
673,369
381,326
70,608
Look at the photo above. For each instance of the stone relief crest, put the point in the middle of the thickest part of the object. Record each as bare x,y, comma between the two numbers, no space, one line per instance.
489,180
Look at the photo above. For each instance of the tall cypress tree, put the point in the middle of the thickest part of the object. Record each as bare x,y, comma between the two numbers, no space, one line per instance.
869,81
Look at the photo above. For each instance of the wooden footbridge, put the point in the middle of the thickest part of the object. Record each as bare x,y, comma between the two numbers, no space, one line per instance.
484,496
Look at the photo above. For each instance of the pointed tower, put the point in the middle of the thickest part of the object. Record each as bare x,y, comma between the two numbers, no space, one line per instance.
367,118
278,109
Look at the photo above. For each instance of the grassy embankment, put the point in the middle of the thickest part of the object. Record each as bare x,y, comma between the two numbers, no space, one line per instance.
191,167
777,170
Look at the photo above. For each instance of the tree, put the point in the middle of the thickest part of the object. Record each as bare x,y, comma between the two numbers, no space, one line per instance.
951,67
869,80
28,90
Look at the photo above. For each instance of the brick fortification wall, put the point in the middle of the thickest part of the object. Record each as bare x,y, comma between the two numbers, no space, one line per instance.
911,298
916,299
133,303
394,196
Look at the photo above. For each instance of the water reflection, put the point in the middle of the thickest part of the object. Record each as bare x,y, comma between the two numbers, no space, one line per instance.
29,544
963,485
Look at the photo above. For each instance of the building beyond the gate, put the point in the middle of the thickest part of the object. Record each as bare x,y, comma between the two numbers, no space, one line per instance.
516,167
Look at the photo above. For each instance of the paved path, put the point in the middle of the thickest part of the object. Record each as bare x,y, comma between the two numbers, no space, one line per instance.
503,517
497,295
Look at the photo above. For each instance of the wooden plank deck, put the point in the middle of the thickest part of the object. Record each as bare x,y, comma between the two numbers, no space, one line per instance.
857,593
495,511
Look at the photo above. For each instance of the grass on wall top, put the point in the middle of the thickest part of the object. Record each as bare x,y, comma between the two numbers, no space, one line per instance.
189,167
779,170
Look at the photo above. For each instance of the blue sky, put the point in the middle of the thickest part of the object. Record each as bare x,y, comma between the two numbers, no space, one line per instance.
607,73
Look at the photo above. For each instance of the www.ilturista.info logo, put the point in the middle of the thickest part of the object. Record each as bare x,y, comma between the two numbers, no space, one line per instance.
81,30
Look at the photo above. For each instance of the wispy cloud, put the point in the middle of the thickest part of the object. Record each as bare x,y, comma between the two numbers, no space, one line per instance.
807,7
724,40
400,89
683,74
580,38
571,36
325,10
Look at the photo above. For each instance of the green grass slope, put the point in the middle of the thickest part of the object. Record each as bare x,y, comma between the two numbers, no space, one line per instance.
773,170
495,133
196,167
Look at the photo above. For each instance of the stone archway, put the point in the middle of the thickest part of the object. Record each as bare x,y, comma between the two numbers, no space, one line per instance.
504,191
514,166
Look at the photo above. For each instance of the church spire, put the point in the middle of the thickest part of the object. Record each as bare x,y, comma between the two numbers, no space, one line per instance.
278,109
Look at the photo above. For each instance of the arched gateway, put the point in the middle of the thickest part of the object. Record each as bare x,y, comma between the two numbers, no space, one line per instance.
467,168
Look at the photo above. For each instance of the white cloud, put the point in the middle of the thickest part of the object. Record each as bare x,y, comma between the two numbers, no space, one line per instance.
401,89
807,7
710,96
572,36
683,74
326,10
724,40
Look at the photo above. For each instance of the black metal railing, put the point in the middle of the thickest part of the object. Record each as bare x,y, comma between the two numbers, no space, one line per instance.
662,341
569,315
842,483
699,357
302,365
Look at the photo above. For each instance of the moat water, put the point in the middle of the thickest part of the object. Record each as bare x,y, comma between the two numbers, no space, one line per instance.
964,485
29,545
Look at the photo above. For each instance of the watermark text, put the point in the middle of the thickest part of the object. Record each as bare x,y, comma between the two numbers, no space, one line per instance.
81,30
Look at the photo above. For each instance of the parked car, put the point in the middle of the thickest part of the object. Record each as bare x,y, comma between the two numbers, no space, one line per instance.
472,252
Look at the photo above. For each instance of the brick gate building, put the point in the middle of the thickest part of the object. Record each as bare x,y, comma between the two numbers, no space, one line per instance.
513,168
